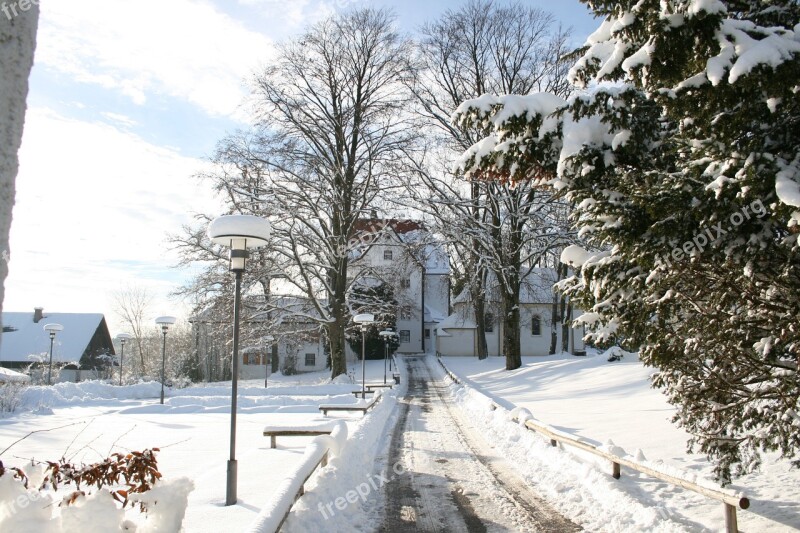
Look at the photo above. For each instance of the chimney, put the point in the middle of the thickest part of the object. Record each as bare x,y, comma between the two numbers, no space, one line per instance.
38,314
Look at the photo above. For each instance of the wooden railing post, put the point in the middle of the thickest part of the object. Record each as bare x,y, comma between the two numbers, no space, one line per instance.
615,473
731,526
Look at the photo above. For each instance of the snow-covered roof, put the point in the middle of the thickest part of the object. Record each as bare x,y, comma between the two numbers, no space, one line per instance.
455,321
23,337
433,315
7,376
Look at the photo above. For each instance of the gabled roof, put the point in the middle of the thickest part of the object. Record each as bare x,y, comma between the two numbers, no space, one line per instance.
23,337
375,225
431,255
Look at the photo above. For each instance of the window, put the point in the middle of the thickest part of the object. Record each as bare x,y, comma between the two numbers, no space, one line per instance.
427,333
387,255
488,322
405,313
311,359
251,359
536,325
405,335
405,283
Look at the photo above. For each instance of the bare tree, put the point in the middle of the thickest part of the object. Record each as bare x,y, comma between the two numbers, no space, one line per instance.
132,306
331,131
487,48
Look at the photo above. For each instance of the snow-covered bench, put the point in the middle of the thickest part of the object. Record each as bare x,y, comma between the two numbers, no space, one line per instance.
373,386
363,407
357,393
312,429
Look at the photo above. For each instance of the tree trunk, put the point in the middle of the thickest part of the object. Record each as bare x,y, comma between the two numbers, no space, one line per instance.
341,317
479,307
511,334
566,313
554,322
336,338
17,43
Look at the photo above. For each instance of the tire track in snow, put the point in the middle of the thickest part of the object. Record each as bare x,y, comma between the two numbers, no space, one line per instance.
452,480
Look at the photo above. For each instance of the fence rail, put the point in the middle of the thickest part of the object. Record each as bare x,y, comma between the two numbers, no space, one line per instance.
731,500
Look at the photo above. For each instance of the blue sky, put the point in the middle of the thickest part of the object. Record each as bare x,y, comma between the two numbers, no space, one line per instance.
126,99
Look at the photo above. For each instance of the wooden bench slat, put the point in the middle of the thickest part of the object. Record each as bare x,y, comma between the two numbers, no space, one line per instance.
297,432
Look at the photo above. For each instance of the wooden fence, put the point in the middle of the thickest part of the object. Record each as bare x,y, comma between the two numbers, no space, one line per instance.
731,500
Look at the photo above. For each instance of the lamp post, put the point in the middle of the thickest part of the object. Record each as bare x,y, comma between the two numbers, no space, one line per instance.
165,322
268,339
387,334
364,319
52,329
122,338
238,232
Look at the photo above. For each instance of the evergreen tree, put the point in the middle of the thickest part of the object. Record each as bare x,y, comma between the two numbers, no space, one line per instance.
685,173
379,300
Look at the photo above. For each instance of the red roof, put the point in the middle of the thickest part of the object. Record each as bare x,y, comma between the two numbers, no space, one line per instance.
374,225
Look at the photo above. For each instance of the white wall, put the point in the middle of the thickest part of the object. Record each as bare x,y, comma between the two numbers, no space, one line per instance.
461,341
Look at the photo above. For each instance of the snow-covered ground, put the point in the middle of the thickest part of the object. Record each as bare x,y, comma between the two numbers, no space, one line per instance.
600,400
192,431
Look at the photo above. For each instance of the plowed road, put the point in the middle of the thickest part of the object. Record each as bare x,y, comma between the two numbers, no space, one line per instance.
452,480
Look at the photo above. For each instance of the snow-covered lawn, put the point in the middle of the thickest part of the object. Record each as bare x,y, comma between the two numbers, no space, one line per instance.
600,400
191,429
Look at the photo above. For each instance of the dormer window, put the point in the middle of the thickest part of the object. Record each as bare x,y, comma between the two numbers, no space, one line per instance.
387,255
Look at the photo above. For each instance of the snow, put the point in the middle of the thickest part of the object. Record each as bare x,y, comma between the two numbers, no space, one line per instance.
192,430
787,187
600,401
711,7
576,256
255,230
7,375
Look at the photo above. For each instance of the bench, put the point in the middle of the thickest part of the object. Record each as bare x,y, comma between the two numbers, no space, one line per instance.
357,393
297,430
349,407
378,386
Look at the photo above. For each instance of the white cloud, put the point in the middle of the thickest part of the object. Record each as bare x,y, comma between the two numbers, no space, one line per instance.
94,207
181,48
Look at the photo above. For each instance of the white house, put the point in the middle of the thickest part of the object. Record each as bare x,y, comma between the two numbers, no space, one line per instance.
405,255
457,334
258,357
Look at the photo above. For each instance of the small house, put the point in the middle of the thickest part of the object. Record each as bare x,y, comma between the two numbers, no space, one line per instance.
84,345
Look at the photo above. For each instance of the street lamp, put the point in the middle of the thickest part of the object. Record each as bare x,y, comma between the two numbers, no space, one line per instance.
238,232
387,334
122,338
268,339
165,322
52,329
365,319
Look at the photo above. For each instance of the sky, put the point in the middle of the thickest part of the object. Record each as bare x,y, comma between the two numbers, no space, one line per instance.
126,102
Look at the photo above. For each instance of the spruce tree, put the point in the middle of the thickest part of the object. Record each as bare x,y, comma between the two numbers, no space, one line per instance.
682,157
